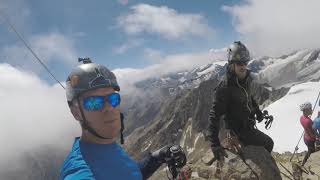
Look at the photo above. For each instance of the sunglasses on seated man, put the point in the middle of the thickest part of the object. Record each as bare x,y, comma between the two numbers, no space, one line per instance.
96,103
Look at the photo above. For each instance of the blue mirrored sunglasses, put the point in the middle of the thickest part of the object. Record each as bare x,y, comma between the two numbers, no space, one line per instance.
95,103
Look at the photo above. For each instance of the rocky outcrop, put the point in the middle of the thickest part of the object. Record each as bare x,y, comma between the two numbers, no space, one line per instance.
252,163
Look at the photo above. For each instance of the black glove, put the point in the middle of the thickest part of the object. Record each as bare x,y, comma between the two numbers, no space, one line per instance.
171,154
219,153
162,153
259,115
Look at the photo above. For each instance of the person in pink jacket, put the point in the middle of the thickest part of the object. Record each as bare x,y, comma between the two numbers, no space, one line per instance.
309,133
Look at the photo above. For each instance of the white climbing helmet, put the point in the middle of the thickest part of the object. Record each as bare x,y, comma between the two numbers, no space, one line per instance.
306,105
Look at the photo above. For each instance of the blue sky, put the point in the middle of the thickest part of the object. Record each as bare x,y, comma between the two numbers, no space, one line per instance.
94,30
131,35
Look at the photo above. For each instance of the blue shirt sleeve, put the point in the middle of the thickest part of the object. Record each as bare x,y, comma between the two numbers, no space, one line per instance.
75,167
316,125
82,174
76,171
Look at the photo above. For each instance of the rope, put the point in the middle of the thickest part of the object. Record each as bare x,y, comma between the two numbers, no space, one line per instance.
286,175
244,161
286,169
29,48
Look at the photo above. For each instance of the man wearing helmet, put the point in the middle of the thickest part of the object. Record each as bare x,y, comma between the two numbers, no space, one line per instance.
309,133
93,97
234,102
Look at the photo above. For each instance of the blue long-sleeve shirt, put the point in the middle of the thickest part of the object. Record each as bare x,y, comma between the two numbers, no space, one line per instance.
316,125
105,161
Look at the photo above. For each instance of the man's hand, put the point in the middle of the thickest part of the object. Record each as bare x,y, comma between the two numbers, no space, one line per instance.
162,153
219,153
259,115
172,155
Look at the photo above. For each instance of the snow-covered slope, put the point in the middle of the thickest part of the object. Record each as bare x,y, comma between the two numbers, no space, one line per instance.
286,128
300,66
187,79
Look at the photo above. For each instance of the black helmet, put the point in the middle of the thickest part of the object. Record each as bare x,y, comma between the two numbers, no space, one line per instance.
237,52
89,76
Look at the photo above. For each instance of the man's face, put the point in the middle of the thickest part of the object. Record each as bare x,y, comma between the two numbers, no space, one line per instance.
240,70
106,122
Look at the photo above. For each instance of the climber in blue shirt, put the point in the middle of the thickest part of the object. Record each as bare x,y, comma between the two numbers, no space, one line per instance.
316,127
93,97
316,124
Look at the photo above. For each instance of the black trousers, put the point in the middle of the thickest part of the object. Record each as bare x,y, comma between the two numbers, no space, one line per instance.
256,138
311,149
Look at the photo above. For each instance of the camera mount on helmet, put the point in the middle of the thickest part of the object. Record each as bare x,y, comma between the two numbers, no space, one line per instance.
86,60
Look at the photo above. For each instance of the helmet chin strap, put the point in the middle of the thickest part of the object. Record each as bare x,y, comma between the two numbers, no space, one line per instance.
231,69
85,124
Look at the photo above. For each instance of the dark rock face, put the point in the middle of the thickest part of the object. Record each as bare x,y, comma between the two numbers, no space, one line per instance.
142,110
139,110
252,163
261,162
314,55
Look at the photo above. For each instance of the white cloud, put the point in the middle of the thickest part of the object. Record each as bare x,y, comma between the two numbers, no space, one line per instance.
153,54
9,8
164,21
33,114
273,27
131,43
123,2
49,47
218,54
127,77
